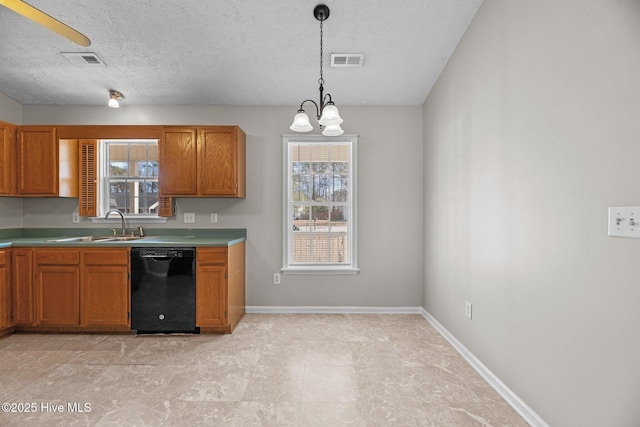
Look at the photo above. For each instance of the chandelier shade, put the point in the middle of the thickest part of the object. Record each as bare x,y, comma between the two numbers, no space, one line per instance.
330,116
301,123
332,130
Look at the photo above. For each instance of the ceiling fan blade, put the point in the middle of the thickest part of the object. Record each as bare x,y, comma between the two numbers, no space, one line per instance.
45,20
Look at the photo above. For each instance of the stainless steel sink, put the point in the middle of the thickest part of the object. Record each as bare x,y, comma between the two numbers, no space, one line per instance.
125,238
80,239
96,239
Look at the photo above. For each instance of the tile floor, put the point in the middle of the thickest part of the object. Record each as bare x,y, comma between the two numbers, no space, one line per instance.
274,370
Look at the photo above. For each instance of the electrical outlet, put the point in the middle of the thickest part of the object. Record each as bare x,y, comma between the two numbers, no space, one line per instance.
75,218
467,309
189,217
276,278
214,217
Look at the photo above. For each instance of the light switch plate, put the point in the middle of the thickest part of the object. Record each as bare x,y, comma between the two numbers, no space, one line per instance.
624,221
75,218
189,217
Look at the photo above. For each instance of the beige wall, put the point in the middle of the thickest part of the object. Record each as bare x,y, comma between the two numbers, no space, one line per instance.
532,130
390,199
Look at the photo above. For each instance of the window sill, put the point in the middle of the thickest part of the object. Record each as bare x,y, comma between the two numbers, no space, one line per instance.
142,219
330,269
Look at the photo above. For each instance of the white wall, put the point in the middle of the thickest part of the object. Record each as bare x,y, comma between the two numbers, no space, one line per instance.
532,130
390,199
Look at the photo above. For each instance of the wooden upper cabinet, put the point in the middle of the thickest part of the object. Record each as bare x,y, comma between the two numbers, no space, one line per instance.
177,155
46,166
7,177
203,161
221,160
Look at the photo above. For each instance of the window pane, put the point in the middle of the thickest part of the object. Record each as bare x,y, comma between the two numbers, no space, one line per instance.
320,247
301,188
300,158
320,191
151,187
118,194
340,188
300,217
319,158
338,248
300,244
147,169
118,168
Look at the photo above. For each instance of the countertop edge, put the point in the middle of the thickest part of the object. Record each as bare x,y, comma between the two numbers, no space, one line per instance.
163,241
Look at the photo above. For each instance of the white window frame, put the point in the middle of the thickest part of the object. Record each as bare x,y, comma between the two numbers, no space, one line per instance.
103,188
287,225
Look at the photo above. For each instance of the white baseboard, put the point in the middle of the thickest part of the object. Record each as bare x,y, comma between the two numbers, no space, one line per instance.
330,309
507,394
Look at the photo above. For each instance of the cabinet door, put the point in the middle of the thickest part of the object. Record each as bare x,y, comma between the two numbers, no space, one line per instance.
7,134
4,290
57,286
37,157
22,286
177,155
105,287
211,295
218,161
105,294
57,295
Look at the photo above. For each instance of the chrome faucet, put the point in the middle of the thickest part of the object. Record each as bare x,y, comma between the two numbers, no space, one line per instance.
124,231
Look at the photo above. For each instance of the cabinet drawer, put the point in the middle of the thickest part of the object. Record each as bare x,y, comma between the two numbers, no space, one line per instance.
216,256
57,257
3,257
106,257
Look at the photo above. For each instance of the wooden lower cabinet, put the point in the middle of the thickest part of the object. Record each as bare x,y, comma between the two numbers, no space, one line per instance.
22,287
57,287
88,289
220,287
105,287
5,304
70,289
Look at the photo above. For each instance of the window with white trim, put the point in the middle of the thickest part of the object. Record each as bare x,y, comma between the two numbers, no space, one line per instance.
129,172
320,204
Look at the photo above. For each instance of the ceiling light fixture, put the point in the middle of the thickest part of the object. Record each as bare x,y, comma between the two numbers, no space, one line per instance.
326,112
114,97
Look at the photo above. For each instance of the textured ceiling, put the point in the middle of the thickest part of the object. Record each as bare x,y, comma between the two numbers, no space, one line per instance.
222,52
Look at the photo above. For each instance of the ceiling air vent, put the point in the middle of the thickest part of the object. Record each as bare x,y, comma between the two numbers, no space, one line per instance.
347,59
83,58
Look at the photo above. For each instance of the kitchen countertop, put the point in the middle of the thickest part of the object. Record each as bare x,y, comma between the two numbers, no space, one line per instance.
159,237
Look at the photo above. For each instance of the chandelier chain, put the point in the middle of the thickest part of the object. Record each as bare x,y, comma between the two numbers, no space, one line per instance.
321,80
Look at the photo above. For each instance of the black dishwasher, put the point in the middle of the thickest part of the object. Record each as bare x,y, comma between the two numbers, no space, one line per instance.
163,290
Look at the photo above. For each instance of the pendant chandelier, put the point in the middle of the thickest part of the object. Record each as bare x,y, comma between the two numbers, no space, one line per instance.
326,111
